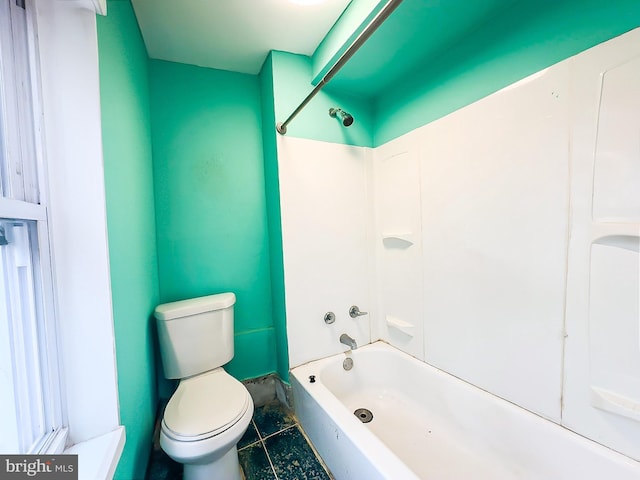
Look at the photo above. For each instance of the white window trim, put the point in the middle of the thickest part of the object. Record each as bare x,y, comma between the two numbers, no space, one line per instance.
68,59
71,224
24,180
18,209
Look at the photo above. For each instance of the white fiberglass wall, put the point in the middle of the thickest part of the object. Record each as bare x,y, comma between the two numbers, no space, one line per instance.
601,390
494,211
499,243
326,209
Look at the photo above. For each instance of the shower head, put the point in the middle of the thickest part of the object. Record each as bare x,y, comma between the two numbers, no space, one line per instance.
346,118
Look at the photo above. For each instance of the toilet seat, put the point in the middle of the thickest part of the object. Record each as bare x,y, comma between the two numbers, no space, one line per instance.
204,406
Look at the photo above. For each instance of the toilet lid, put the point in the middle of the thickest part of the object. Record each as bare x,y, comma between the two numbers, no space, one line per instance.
206,404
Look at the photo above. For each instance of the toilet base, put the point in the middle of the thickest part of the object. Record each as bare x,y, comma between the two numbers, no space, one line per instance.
227,467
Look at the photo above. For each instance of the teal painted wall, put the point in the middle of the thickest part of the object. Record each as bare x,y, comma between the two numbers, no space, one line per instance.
272,191
524,39
210,200
353,20
292,75
126,131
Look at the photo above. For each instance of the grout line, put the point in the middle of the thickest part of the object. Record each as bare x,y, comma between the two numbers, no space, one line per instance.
315,452
279,431
249,445
264,445
307,440
273,468
262,438
256,428
257,433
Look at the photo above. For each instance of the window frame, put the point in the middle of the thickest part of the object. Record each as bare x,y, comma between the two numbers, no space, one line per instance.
66,47
23,152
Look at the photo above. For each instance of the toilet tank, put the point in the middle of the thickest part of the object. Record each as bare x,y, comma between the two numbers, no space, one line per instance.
195,335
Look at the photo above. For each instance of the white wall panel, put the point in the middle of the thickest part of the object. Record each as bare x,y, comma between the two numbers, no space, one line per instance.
398,244
614,336
495,207
601,391
325,232
617,150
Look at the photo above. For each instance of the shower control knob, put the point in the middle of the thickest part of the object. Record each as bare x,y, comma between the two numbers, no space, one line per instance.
354,312
329,318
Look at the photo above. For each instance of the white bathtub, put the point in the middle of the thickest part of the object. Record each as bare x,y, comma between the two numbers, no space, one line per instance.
428,424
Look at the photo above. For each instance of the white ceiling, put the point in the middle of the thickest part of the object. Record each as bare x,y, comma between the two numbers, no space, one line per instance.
233,35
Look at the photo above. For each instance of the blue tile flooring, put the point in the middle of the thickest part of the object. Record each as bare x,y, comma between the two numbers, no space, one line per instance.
274,447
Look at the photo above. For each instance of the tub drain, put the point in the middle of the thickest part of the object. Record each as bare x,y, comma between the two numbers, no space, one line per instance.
364,415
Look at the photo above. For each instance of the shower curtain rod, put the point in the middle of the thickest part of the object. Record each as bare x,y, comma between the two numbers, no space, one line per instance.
382,15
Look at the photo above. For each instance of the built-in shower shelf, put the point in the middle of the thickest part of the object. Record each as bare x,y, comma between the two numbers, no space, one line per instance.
628,241
400,325
615,403
397,240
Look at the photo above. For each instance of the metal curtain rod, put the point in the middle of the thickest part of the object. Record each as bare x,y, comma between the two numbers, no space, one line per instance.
382,15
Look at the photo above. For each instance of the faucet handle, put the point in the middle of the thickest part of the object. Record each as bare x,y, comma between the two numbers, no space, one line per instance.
329,318
354,312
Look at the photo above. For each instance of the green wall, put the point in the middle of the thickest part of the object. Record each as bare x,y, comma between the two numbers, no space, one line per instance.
272,192
126,131
210,200
353,20
292,76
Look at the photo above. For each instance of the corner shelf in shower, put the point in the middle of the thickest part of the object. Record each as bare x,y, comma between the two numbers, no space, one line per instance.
400,325
397,240
615,403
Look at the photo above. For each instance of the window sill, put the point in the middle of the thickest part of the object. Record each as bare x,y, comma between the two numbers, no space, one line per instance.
98,457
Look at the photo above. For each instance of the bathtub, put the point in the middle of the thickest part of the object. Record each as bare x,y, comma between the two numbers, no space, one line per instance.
428,424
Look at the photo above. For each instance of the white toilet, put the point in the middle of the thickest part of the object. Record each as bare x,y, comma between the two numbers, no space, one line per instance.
210,410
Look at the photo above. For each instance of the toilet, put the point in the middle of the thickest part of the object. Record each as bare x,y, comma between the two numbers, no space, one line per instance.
210,410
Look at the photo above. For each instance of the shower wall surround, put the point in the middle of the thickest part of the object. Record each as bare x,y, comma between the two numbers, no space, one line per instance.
326,220
494,209
499,243
601,388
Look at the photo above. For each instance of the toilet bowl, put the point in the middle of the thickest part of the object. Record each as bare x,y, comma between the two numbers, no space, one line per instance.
203,422
210,410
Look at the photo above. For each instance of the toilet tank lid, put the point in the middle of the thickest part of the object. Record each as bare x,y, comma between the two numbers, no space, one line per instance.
193,306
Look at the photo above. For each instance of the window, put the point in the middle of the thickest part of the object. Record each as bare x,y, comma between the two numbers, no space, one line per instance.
31,416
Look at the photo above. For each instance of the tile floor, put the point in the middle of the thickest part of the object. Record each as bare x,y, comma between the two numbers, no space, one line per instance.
273,448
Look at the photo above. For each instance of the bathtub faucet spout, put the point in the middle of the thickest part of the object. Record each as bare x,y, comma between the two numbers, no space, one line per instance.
348,341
